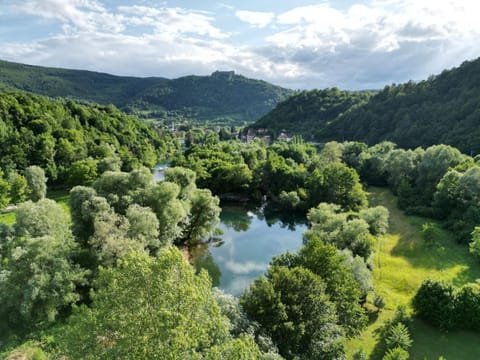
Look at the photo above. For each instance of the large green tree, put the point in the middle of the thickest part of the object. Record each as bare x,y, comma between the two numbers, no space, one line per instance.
292,307
151,308
39,277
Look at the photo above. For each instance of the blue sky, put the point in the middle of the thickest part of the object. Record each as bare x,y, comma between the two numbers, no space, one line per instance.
298,44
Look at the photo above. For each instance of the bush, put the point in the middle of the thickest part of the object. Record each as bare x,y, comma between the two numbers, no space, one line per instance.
435,303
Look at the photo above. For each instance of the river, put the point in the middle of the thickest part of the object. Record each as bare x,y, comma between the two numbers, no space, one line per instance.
250,239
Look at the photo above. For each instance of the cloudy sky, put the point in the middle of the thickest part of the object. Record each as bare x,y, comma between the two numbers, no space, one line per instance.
352,44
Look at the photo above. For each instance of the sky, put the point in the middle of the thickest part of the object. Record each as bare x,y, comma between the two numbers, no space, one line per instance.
349,44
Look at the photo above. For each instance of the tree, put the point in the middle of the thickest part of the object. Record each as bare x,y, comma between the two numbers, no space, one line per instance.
185,178
84,206
292,308
435,303
82,172
360,271
4,191
468,307
475,243
45,217
203,217
435,163
18,188
343,187
323,260
396,354
162,198
39,278
398,337
376,218
142,309
143,226
37,182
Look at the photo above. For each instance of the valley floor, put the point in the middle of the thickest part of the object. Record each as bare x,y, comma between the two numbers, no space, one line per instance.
401,263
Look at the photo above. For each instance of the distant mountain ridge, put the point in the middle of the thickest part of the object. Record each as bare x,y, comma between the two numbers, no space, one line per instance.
442,109
223,97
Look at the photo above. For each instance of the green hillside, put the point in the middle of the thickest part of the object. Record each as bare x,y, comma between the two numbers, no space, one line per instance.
442,109
222,97
306,113
54,134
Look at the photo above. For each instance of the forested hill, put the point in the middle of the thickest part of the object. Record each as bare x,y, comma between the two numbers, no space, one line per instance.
221,97
307,112
62,136
443,109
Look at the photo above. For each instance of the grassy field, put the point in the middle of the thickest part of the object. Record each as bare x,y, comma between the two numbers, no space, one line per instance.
402,261
60,196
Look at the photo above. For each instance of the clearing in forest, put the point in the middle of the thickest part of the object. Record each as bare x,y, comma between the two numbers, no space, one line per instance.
401,262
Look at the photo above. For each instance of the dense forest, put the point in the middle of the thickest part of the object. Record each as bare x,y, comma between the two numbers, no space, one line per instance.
69,141
221,98
307,112
440,110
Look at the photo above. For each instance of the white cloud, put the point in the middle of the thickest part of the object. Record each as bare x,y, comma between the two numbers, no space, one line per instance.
255,18
76,15
244,268
363,46
371,45
173,20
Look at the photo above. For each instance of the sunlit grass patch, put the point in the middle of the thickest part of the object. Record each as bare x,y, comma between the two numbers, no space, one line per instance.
401,262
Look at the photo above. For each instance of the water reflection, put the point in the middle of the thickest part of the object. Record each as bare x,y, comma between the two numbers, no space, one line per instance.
250,239
159,172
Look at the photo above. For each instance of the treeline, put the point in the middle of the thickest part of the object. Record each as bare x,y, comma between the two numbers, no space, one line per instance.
292,175
440,110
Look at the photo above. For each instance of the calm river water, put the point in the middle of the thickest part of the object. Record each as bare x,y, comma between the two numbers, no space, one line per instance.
250,239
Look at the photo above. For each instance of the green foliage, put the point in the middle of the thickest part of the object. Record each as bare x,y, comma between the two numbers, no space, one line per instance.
345,230
376,218
379,302
396,353
37,182
435,303
19,190
142,309
292,175
292,307
323,260
82,172
414,114
307,112
203,216
39,278
475,243
360,271
222,97
360,355
398,336
54,134
4,191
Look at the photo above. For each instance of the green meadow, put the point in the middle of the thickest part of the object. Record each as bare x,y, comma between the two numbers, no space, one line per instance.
402,261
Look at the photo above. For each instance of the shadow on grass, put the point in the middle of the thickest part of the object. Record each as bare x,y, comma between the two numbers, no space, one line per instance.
380,348
430,343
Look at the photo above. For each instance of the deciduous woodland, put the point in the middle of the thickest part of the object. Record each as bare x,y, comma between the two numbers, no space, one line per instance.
104,272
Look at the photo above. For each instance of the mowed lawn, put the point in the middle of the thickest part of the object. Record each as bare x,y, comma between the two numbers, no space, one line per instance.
401,263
